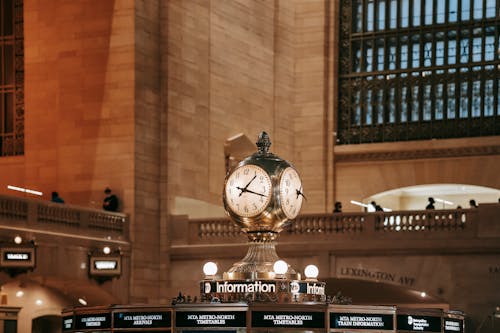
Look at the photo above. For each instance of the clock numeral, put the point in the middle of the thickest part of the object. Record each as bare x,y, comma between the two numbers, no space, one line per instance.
254,206
288,201
286,191
245,209
246,171
287,182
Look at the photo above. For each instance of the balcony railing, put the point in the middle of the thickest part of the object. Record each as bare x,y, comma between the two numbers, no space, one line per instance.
18,212
458,223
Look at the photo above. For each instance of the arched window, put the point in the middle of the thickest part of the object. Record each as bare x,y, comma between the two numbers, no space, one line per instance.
418,69
11,78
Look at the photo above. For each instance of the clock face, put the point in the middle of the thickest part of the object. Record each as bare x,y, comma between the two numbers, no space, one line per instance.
291,192
248,190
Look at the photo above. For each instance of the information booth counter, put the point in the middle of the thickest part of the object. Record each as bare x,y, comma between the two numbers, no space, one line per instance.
121,318
360,318
296,318
211,317
429,320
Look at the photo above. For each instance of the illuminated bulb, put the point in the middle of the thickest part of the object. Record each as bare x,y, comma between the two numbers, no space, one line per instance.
19,293
423,294
106,250
311,272
38,302
280,267
210,268
18,239
82,301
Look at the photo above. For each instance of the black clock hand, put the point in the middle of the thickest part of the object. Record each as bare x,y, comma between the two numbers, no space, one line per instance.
262,195
251,180
299,192
243,190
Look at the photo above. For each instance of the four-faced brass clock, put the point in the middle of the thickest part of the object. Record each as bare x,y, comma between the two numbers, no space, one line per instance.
263,192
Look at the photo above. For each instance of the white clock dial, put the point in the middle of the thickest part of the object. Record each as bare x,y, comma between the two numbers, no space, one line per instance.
248,190
291,192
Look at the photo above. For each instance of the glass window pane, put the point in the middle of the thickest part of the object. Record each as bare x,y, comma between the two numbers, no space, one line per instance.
369,108
452,52
416,13
488,98
381,15
356,114
380,107
380,58
490,8
369,57
392,57
404,56
451,101
393,23
464,100
464,51
489,48
476,99
370,16
438,113
440,53
392,105
427,102
452,10
415,55
476,49
404,105
478,9
403,14
428,11
465,14
440,12
428,54
358,16
414,104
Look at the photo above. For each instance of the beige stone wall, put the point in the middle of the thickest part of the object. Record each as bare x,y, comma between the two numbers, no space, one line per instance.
244,67
79,119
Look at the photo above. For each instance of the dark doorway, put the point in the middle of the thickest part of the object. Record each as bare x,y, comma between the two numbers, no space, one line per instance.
46,324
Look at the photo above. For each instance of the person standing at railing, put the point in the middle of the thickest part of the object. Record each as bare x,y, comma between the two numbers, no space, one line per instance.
430,204
110,202
338,207
472,203
56,198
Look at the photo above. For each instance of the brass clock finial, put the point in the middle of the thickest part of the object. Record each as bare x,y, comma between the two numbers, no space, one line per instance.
263,143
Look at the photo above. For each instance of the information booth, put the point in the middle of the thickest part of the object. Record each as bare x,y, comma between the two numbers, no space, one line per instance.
357,318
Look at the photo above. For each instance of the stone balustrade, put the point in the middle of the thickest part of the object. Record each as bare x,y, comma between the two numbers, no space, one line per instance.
420,223
16,212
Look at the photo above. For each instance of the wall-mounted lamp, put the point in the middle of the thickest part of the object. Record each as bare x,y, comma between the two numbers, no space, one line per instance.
82,301
18,239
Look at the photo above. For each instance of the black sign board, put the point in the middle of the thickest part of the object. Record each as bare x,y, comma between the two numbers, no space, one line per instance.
105,266
67,323
288,319
210,319
452,325
93,321
417,323
17,257
142,320
362,321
